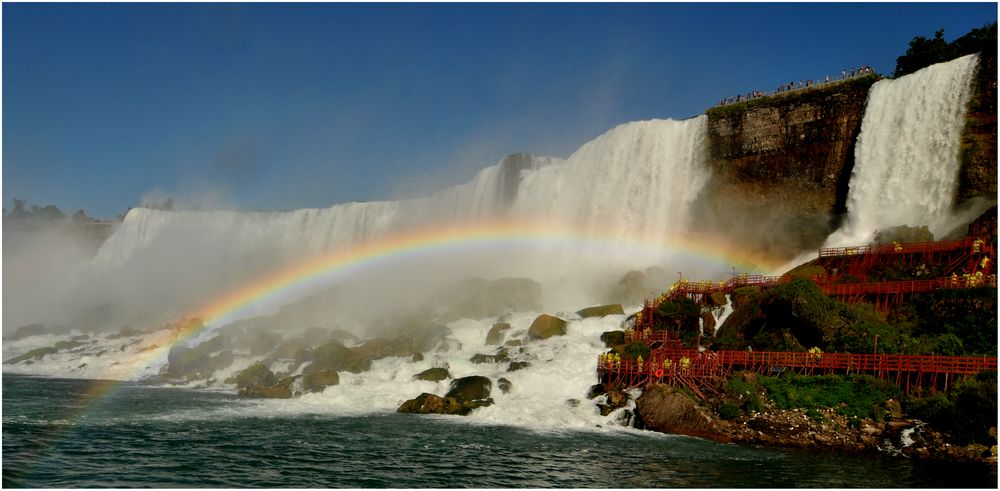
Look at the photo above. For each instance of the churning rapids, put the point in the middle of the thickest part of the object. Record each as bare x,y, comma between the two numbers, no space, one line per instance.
621,202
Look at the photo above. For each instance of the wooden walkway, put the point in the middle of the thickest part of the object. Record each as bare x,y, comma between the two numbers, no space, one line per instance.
703,369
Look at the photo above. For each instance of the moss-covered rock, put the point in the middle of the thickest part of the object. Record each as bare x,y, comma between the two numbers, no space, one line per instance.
613,338
317,381
435,374
545,326
256,375
601,311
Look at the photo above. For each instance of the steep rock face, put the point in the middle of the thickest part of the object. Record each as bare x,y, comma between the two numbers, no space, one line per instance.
782,163
978,173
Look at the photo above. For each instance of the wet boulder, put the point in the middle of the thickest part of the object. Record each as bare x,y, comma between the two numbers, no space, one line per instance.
496,334
258,380
668,410
317,381
428,403
333,355
504,385
601,311
436,374
545,326
471,388
517,365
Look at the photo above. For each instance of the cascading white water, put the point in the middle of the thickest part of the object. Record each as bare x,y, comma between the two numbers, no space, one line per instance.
907,155
631,185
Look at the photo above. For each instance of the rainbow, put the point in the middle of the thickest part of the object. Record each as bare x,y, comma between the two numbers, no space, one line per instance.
324,269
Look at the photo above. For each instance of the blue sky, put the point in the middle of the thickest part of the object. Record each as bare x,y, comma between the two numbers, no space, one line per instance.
283,106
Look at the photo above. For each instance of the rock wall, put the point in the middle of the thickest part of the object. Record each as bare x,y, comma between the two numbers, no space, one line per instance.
978,174
781,165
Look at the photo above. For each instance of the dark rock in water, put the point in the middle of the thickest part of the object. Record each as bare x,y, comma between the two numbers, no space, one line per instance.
596,390
415,357
504,385
668,410
470,388
517,365
256,375
433,374
65,345
427,403
479,359
258,380
514,342
573,402
613,338
317,381
601,311
495,336
198,362
545,326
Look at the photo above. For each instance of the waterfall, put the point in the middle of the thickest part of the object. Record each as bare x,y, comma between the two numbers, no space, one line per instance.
907,154
633,184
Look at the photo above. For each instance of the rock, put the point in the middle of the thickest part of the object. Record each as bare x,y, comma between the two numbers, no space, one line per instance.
601,311
317,381
30,330
894,409
613,338
481,358
504,385
417,357
596,390
427,403
470,388
433,375
333,355
495,336
545,326
256,375
514,342
667,410
257,380
717,299
517,365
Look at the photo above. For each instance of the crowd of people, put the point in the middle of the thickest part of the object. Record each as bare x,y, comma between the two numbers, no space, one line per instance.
801,84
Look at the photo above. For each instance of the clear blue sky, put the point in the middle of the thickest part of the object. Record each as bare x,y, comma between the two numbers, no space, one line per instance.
282,106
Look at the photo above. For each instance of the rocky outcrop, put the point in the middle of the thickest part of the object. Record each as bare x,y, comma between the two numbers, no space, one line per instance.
317,381
601,311
258,380
545,326
465,394
977,176
668,410
786,161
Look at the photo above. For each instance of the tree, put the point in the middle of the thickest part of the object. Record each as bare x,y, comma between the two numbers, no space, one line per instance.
924,52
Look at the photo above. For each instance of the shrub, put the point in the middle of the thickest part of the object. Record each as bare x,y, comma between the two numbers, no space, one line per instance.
729,411
636,348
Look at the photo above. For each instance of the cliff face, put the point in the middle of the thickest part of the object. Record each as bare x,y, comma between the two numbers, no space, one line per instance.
978,174
781,166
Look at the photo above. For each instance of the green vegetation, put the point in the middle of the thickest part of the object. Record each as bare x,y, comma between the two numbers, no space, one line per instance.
851,395
966,412
924,52
636,348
